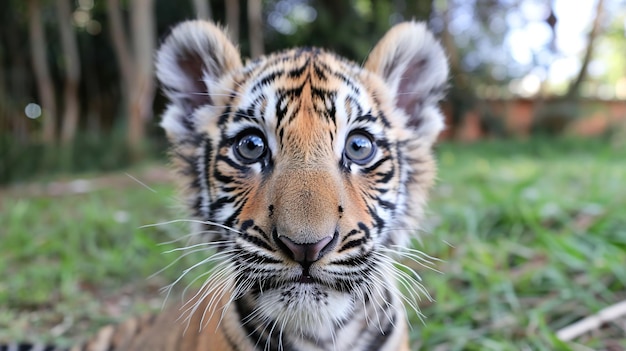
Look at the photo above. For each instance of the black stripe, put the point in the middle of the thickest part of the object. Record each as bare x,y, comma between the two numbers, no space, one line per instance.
266,79
364,228
379,222
347,81
351,244
255,328
220,202
380,338
351,233
375,165
297,72
232,219
385,204
319,71
354,103
366,117
28,347
385,176
241,115
257,242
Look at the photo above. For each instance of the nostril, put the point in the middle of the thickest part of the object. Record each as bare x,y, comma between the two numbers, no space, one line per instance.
307,252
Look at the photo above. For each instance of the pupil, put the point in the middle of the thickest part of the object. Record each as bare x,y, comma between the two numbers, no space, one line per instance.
359,144
253,143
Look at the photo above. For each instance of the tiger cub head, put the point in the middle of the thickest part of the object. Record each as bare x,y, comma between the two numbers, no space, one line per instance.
306,170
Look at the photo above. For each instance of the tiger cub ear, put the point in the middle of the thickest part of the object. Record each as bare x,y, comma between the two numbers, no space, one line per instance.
190,65
414,66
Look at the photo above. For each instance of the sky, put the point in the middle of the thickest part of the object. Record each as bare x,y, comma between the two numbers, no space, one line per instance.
531,38
535,35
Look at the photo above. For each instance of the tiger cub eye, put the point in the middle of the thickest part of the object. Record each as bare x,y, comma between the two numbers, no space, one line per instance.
360,148
250,148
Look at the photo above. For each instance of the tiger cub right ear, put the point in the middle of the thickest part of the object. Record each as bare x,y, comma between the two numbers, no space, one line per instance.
190,65
414,66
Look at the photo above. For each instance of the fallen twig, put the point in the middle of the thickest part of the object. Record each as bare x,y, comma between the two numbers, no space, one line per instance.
592,322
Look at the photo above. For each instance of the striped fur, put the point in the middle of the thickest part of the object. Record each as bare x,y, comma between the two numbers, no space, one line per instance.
304,236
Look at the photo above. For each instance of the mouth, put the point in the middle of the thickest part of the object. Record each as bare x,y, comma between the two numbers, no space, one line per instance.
305,277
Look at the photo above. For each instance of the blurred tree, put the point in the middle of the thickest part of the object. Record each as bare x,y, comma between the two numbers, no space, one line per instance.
5,109
232,19
488,44
551,21
461,95
5,99
203,9
574,88
144,43
45,85
255,28
136,65
71,66
18,72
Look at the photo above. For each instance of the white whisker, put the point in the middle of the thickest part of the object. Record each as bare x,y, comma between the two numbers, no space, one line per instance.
140,182
191,221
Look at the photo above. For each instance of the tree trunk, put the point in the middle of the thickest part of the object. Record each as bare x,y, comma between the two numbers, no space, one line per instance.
144,38
71,108
4,100
136,68
19,78
574,88
255,28
232,19
461,96
45,87
120,44
203,9
122,52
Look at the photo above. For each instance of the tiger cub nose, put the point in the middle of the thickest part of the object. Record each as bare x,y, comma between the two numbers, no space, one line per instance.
307,252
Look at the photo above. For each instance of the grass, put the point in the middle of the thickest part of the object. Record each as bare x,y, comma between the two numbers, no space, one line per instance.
532,237
77,262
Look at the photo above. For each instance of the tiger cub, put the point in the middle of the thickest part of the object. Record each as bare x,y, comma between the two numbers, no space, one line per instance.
307,175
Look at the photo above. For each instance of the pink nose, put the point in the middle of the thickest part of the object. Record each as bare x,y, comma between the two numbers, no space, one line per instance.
308,252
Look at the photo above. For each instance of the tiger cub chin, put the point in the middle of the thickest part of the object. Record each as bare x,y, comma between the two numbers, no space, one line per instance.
308,174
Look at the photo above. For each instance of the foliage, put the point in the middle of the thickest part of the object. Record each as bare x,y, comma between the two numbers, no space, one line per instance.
531,237
24,161
487,47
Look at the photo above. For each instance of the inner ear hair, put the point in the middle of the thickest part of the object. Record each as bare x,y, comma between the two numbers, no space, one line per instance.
413,65
192,60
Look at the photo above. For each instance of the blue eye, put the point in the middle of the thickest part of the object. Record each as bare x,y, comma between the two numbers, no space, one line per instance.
360,148
250,148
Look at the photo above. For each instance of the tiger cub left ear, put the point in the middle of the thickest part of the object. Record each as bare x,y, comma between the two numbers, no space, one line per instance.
192,64
414,66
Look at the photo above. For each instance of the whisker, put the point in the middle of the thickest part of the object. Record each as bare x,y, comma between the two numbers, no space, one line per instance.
191,221
140,182
210,243
215,256
418,252
190,235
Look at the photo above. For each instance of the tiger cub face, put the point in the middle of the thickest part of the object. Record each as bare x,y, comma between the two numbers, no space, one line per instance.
306,170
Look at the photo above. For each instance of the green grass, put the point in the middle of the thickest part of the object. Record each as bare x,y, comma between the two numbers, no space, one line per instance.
77,262
532,237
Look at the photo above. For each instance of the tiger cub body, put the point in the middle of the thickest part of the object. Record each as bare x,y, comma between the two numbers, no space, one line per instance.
306,173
